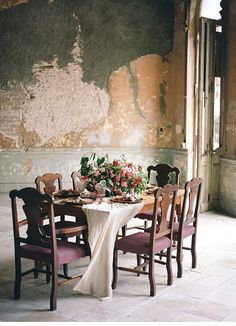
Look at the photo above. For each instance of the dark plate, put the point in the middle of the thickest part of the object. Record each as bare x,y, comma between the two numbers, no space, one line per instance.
81,202
125,201
66,194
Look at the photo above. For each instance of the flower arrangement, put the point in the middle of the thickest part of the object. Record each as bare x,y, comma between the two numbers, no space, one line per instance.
120,176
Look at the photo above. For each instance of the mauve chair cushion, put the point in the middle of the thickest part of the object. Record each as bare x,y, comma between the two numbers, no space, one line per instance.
187,231
145,216
66,252
140,243
69,225
149,214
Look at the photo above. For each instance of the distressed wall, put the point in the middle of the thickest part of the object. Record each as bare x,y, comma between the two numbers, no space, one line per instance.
230,73
89,76
228,155
86,72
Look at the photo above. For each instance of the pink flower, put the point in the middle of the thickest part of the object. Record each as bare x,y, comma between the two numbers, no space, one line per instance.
137,181
112,174
124,184
96,173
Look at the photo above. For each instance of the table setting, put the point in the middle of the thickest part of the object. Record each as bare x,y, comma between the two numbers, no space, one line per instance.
113,189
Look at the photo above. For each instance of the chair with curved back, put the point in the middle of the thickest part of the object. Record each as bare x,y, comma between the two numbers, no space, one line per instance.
146,245
187,225
49,183
164,174
33,244
78,185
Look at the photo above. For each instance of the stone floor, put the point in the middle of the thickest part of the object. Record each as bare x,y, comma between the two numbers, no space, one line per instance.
205,294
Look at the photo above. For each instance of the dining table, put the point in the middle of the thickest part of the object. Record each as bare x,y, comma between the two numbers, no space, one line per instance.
105,218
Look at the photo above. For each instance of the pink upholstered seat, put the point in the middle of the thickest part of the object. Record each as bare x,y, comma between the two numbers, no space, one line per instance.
146,244
33,244
66,252
140,243
187,231
164,174
187,226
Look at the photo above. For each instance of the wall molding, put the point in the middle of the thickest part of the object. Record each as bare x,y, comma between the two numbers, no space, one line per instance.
227,198
19,169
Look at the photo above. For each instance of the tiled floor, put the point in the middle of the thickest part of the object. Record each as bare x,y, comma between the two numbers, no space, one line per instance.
205,294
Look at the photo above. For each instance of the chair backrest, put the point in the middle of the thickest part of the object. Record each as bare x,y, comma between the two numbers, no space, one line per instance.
49,183
75,176
31,205
78,183
163,212
165,174
191,202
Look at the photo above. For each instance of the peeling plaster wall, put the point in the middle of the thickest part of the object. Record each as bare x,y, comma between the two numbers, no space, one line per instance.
85,75
178,65
230,96
228,157
69,60
71,105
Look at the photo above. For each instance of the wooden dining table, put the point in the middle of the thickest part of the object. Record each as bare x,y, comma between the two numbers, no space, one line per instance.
105,218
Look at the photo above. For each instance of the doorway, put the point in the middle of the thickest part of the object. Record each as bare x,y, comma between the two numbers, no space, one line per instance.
207,142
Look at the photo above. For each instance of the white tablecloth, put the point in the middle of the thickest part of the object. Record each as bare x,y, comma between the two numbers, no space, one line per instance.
104,221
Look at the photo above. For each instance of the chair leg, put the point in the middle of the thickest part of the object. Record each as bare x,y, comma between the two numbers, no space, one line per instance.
138,262
160,257
86,242
65,269
169,266
151,276
145,224
17,278
115,263
37,265
124,228
54,288
179,259
193,251
47,273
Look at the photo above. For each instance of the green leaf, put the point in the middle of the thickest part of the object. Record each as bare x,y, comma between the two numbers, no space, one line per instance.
100,161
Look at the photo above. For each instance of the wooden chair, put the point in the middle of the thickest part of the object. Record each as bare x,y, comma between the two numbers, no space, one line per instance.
49,183
35,245
164,174
145,245
76,181
187,226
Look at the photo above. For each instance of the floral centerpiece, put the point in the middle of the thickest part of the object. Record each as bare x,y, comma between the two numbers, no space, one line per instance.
118,176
